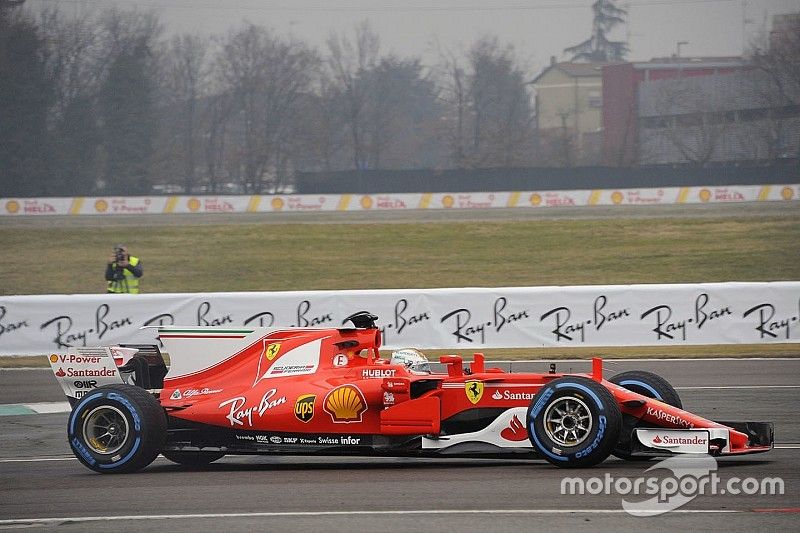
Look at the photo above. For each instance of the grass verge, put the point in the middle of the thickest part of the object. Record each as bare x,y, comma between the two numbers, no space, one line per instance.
211,258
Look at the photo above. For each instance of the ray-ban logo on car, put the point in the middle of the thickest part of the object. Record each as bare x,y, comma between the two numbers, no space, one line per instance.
238,414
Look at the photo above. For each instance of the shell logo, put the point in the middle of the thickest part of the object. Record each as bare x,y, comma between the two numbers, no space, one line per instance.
277,203
536,199
101,206
617,197
448,201
345,404
787,193
53,358
366,202
12,206
705,195
193,204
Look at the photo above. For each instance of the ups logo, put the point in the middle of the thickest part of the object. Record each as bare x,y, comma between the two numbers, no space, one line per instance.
304,407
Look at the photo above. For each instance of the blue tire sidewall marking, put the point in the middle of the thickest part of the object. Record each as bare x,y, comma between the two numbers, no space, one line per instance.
126,458
78,407
585,389
74,441
643,385
543,449
538,407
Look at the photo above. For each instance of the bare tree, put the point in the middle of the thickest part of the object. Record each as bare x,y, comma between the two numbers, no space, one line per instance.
348,61
687,119
265,76
186,84
452,82
502,118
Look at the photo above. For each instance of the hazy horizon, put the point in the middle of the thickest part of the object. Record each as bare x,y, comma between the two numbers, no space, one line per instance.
538,29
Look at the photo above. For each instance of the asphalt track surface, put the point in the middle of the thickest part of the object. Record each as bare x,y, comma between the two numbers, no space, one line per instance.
737,210
43,487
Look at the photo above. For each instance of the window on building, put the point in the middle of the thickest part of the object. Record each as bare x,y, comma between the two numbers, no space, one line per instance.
595,99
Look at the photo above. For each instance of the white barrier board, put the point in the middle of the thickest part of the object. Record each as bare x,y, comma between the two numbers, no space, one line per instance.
460,319
144,205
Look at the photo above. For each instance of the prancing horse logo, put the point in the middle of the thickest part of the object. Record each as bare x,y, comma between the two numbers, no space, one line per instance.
474,390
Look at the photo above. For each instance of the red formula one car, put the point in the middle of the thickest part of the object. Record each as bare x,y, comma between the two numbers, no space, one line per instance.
310,391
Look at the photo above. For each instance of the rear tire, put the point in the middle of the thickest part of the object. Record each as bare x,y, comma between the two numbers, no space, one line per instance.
117,429
574,422
192,458
649,385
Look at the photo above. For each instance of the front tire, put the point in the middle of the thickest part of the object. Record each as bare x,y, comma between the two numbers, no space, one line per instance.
649,385
117,429
574,422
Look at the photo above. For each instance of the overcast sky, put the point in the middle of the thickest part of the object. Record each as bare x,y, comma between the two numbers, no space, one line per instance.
537,28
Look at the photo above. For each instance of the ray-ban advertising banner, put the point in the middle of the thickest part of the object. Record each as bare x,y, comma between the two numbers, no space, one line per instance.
460,319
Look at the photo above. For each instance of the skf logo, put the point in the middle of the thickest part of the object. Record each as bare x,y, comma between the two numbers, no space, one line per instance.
271,350
304,407
474,390
345,404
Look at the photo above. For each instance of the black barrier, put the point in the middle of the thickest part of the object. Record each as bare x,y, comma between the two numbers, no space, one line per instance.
542,179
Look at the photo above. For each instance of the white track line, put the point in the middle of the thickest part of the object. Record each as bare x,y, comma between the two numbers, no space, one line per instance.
788,446
298,514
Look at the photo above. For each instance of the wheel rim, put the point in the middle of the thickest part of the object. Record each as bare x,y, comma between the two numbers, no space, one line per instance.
105,430
567,421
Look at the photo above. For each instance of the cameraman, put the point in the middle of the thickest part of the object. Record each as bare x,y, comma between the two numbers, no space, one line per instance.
123,271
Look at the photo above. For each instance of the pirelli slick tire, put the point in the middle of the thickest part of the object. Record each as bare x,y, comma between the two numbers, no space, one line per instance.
192,458
574,422
117,429
649,385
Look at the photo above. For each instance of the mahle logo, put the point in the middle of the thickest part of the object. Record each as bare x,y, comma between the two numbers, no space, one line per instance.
304,407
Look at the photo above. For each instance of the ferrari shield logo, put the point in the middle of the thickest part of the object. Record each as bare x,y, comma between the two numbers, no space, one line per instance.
474,390
269,353
271,350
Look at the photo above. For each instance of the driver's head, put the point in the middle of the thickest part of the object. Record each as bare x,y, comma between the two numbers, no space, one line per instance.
414,360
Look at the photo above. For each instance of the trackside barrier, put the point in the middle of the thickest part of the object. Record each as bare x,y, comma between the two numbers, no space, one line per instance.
133,205
463,319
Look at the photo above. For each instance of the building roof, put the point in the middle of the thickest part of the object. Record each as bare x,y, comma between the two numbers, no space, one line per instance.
667,63
575,70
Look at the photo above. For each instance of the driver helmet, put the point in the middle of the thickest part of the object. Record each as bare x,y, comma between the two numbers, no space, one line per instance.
414,360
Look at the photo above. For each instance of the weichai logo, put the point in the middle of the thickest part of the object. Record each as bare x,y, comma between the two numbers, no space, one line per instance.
304,407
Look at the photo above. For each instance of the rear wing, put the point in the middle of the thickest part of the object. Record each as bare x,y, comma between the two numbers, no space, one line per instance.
81,370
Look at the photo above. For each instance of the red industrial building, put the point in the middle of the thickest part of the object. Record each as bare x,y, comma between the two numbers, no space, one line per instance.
621,97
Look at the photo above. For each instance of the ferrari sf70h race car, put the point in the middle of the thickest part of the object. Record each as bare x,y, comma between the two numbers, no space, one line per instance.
327,391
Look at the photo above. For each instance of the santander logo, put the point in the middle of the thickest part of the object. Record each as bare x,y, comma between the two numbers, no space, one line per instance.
515,432
657,440
61,372
497,395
